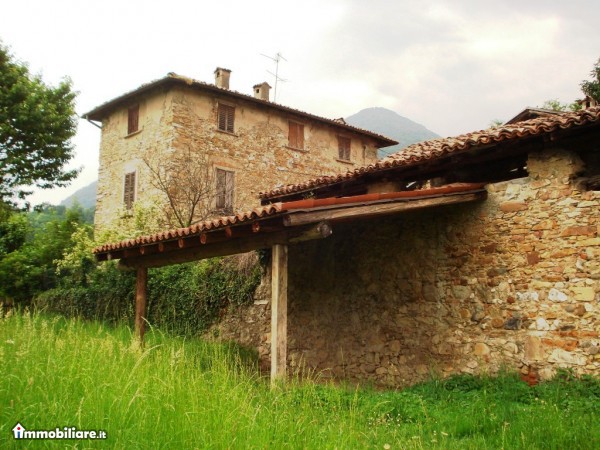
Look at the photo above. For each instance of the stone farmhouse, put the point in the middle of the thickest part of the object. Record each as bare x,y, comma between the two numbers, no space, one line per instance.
456,255
247,144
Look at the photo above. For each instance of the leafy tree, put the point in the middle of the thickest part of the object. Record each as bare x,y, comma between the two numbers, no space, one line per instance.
555,105
30,267
13,232
37,122
592,87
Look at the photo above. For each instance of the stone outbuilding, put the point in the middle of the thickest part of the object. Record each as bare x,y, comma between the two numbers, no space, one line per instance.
456,255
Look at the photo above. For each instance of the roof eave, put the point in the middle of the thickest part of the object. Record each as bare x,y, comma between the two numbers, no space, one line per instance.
102,111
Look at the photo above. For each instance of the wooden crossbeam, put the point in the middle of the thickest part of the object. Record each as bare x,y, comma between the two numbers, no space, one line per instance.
339,212
253,241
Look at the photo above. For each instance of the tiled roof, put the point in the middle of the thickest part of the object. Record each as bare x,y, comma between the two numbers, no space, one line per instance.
439,148
531,113
101,111
208,225
275,209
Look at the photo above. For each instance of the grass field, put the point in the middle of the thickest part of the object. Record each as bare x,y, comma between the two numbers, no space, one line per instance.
184,394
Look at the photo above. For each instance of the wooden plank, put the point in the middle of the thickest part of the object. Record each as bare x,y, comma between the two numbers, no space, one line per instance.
254,241
141,294
279,281
381,208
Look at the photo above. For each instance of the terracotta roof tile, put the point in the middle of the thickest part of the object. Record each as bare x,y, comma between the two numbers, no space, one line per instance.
279,208
437,148
198,228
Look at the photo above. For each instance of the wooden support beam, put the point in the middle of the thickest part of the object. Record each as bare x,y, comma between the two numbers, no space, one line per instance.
279,283
320,231
254,241
148,249
340,212
141,294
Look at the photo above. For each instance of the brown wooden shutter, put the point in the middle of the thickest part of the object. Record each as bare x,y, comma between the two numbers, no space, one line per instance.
129,190
300,136
230,117
226,116
221,189
296,135
228,192
344,148
292,134
225,191
133,119
222,123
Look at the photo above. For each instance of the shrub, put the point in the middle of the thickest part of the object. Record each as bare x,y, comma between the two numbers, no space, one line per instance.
183,299
30,245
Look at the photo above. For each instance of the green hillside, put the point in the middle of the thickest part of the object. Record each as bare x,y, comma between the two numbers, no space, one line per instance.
86,196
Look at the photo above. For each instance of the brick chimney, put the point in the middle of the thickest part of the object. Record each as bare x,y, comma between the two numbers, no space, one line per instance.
262,91
222,77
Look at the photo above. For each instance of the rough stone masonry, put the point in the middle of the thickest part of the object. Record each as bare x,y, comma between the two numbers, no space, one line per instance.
510,282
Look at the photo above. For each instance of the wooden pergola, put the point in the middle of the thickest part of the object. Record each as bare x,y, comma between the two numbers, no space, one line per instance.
274,226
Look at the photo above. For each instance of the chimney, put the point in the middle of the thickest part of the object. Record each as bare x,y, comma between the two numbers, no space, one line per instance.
222,77
262,91
588,102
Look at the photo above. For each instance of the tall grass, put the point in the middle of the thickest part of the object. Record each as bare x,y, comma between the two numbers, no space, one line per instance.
178,393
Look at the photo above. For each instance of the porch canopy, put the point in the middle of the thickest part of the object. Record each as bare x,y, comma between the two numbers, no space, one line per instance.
272,226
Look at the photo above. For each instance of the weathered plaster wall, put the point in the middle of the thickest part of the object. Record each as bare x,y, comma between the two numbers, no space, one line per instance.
257,151
513,281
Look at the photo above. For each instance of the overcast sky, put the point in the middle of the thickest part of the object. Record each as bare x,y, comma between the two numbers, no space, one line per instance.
453,66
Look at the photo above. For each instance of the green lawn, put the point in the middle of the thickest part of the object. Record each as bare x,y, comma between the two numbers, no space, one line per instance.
183,394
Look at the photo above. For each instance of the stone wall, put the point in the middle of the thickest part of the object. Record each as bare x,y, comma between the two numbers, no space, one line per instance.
257,152
510,282
121,153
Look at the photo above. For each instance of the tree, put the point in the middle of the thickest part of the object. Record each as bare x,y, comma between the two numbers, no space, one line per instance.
37,122
186,179
592,88
31,251
555,105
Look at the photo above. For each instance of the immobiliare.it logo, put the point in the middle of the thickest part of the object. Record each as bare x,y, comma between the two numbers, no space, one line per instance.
20,432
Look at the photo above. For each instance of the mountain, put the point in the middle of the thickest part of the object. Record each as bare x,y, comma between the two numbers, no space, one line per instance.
392,125
86,196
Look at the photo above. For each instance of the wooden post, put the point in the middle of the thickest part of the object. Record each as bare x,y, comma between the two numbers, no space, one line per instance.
279,311
141,294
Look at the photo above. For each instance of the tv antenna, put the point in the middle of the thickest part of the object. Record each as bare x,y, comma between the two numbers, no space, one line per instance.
277,58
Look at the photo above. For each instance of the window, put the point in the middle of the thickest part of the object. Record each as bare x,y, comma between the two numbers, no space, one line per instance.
344,148
224,191
296,135
133,119
129,190
226,114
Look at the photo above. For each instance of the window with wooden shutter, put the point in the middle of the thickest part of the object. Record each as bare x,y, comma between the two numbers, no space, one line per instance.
296,135
226,116
225,190
344,148
133,119
129,190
